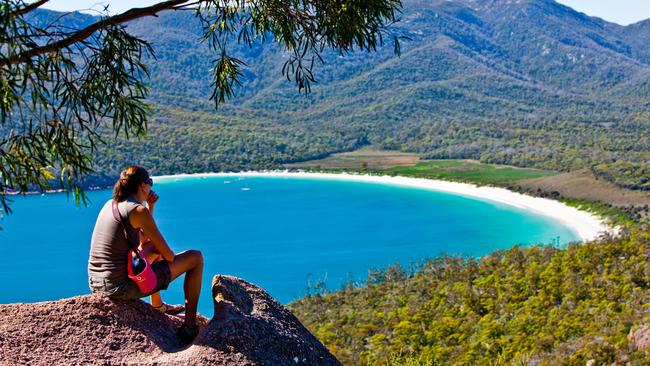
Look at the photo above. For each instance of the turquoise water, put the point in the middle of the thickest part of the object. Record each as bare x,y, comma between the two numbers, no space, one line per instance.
280,233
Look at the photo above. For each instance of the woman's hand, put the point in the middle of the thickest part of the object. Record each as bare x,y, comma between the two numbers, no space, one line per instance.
141,218
152,199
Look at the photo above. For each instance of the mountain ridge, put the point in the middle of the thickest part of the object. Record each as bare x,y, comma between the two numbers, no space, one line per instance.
468,64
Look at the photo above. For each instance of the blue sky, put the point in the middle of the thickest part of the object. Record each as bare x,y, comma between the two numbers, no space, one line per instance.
617,11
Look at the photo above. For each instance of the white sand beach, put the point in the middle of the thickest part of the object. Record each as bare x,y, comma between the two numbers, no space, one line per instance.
585,224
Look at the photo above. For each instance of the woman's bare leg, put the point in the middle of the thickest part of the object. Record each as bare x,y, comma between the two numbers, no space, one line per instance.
189,262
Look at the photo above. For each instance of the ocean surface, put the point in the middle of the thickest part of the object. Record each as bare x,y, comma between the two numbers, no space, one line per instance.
283,234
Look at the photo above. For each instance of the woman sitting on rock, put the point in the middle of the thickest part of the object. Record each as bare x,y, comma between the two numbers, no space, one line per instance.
113,238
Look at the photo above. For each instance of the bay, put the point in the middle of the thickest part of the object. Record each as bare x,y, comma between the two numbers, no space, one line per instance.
283,234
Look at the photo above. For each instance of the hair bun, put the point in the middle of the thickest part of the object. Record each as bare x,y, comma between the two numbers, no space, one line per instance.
127,184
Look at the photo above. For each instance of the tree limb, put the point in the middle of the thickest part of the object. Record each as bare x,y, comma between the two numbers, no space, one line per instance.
82,34
28,8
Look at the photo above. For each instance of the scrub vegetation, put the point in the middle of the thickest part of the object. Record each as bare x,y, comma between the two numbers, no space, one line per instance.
539,305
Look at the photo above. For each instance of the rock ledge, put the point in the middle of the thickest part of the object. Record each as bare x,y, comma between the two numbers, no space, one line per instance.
249,328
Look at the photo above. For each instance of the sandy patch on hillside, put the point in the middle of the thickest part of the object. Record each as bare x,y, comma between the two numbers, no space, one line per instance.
360,159
583,184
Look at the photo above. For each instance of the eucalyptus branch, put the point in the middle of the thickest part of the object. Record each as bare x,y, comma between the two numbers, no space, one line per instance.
55,97
27,8
83,34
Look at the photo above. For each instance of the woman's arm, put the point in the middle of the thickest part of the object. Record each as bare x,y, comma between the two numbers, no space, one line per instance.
151,201
141,218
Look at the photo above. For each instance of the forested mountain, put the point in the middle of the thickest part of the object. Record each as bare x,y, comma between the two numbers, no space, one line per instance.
527,82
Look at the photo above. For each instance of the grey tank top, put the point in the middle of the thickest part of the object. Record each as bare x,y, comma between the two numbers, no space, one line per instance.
109,247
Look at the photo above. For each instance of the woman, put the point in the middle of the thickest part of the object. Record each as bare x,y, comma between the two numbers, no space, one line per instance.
112,240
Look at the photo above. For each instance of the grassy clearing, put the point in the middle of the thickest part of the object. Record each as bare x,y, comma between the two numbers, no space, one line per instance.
468,171
407,164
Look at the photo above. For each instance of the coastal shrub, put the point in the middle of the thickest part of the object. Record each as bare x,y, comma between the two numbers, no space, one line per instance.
540,305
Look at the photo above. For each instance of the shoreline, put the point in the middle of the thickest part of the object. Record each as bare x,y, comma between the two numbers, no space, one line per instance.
586,225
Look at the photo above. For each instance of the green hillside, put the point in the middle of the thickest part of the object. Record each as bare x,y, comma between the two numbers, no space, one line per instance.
529,83
522,306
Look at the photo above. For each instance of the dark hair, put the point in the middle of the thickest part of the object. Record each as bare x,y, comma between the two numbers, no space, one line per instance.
129,181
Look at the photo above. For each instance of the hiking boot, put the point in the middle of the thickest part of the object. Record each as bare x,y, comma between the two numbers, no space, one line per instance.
187,334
